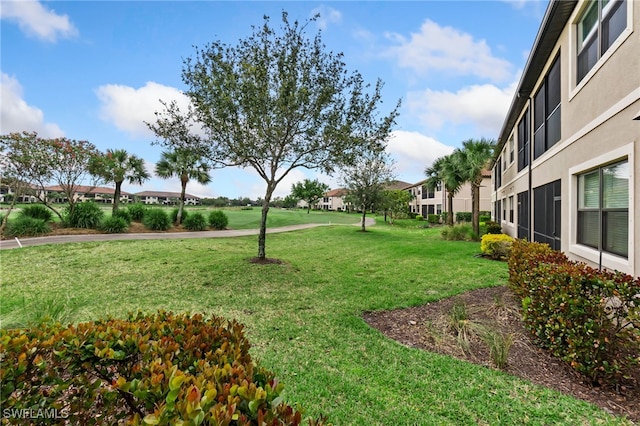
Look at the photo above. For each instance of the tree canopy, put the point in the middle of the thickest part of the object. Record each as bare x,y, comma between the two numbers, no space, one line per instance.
116,166
275,101
365,180
310,191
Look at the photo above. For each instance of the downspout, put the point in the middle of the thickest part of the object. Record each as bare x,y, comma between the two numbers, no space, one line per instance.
530,190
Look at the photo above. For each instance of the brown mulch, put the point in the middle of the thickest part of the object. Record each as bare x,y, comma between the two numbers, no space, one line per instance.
425,327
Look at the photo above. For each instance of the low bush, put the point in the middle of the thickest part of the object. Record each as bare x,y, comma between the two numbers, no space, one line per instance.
419,218
496,246
433,219
84,215
195,222
493,227
114,225
137,211
218,219
458,233
485,218
37,211
123,214
588,318
463,217
174,215
25,226
156,220
163,368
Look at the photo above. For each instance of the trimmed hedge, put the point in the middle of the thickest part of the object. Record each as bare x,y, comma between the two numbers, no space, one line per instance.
496,246
463,217
163,368
588,318
493,227
433,219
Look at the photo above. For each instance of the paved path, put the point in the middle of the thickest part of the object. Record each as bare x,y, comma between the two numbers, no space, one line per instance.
60,239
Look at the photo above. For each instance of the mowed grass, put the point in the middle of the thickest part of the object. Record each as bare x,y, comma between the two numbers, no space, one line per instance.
303,317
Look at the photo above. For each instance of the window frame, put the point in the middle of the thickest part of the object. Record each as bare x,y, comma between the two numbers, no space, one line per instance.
544,112
524,141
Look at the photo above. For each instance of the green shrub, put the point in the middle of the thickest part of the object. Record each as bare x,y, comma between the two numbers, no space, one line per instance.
463,217
485,218
156,220
123,214
174,215
114,225
218,219
419,218
25,226
37,211
433,219
462,232
137,211
84,215
163,368
493,227
588,318
195,222
496,246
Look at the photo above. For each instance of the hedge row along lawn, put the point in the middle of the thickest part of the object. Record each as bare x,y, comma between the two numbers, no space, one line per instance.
303,317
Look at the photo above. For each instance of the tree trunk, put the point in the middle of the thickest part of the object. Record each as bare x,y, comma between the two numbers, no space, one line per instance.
182,195
475,208
450,212
262,236
116,197
364,216
308,208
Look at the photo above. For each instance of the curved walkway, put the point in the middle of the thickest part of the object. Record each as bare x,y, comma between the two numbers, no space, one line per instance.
61,239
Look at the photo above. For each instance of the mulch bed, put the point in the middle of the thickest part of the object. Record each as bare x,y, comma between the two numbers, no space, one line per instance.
424,327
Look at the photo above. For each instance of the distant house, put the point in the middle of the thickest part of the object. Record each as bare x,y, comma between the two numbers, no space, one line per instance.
333,200
97,194
566,171
426,201
166,198
29,195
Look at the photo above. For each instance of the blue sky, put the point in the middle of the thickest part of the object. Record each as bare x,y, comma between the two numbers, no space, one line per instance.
93,70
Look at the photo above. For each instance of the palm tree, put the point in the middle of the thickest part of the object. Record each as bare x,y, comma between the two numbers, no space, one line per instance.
186,165
445,169
116,167
473,159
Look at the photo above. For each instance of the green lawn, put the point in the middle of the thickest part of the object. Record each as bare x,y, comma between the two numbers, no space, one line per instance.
304,317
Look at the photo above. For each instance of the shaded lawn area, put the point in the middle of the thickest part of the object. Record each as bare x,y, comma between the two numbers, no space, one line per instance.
303,317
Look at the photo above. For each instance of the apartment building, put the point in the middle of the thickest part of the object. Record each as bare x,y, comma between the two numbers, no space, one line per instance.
566,171
166,198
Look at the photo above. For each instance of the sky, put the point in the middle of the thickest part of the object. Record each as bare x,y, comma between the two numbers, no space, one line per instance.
95,70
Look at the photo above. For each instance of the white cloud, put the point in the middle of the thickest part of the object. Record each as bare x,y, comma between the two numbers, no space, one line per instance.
328,15
413,152
447,49
128,108
482,106
37,21
17,116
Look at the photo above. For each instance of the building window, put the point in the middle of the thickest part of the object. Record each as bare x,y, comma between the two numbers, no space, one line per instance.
498,211
439,186
599,26
603,209
523,215
511,150
497,178
504,209
546,111
438,208
523,141
511,209
547,218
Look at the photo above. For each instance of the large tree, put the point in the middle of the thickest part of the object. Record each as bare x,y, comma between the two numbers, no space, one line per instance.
365,180
395,202
445,171
186,165
473,159
32,162
274,102
116,166
310,191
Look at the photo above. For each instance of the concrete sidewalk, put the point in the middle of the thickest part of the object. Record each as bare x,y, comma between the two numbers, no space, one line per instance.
62,239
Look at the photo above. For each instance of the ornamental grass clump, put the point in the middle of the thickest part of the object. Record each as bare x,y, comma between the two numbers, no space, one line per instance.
195,222
156,220
84,215
25,226
218,220
37,211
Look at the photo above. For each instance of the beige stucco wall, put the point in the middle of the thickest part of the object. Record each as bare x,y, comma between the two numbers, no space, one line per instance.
597,128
